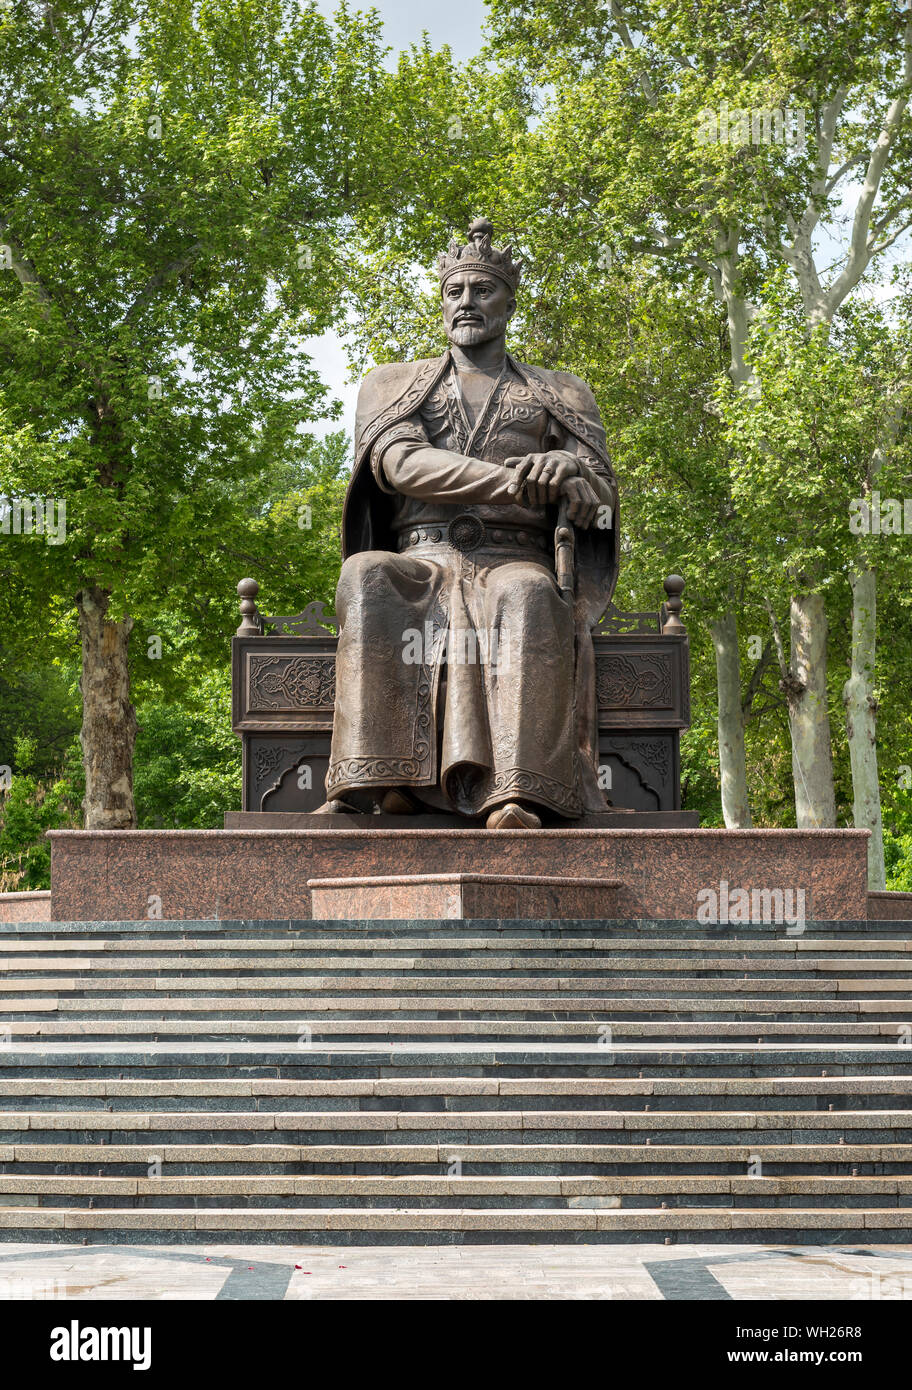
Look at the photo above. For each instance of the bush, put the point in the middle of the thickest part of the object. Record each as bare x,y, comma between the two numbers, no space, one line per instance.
187,767
27,810
898,861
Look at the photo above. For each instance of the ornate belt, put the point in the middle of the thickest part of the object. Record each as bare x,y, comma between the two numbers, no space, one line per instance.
467,533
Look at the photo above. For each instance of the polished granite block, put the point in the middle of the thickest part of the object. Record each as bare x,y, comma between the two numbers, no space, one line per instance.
25,907
461,897
890,907
243,874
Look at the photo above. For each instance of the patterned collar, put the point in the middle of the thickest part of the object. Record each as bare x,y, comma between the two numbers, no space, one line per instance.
471,433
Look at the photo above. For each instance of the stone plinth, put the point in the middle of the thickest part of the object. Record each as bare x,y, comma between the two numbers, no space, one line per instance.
591,820
263,874
890,907
412,897
25,907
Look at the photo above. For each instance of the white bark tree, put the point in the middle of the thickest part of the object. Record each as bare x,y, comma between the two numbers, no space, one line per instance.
631,83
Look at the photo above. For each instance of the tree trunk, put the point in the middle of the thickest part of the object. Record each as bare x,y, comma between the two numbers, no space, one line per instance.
732,763
108,718
861,720
809,720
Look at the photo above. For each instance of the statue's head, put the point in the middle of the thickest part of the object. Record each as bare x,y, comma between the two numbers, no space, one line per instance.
477,287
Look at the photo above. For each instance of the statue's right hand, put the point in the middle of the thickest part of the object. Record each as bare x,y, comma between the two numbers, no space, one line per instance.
542,476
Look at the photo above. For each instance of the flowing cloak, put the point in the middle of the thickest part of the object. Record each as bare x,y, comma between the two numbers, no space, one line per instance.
393,392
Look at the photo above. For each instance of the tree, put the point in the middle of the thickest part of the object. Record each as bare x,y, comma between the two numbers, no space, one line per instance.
720,143
803,449
174,182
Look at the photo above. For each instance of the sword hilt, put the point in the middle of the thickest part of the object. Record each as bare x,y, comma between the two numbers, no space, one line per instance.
564,546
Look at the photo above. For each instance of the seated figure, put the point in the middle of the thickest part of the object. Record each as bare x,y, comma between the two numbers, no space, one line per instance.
480,543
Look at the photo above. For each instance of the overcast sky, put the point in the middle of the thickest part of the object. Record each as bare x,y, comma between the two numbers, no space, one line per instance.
457,23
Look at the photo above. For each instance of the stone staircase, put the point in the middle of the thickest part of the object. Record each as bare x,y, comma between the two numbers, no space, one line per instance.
446,1082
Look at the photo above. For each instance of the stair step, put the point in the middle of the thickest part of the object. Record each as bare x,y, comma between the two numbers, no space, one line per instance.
484,1005
607,1020
463,1086
105,1137
391,1225
659,1121
620,1190
316,1029
312,1084
429,1154
502,1059
555,939
674,1096
428,974
14,986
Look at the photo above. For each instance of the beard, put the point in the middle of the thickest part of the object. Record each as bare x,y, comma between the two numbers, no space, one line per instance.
473,334
470,334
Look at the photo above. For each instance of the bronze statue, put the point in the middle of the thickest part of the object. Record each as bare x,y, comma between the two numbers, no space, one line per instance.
480,543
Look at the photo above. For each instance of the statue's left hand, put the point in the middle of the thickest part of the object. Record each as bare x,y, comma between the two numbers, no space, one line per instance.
541,477
582,502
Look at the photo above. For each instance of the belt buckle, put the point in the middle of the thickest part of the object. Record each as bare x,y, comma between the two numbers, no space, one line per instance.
465,533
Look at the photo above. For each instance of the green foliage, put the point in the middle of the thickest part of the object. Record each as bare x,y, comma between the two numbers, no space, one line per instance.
898,862
802,443
188,761
154,335
27,810
186,161
898,831
39,714
39,720
176,183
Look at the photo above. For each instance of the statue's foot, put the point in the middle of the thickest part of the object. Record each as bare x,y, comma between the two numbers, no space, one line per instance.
398,802
513,816
336,807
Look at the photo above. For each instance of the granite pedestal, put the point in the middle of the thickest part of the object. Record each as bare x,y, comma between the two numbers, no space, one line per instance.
264,874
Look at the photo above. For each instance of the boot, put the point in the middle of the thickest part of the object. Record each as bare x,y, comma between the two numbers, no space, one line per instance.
513,816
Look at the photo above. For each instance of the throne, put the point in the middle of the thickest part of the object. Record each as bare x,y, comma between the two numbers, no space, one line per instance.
283,679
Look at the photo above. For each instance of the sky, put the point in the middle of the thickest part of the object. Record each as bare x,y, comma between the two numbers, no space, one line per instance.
458,24
404,21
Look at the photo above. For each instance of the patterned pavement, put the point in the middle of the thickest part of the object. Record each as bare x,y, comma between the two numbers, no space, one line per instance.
640,1272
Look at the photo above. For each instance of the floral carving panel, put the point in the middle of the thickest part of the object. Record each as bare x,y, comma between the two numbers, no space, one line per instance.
642,680
290,683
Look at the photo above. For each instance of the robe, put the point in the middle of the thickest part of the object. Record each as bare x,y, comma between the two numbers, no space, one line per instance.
463,673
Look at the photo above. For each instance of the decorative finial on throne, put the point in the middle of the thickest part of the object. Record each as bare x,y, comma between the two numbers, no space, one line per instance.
674,588
250,617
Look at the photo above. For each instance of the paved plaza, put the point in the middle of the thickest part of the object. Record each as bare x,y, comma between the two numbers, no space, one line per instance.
642,1272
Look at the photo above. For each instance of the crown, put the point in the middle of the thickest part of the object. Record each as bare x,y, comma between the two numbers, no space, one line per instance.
479,254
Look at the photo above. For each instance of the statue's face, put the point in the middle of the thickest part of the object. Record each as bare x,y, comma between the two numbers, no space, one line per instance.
476,307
